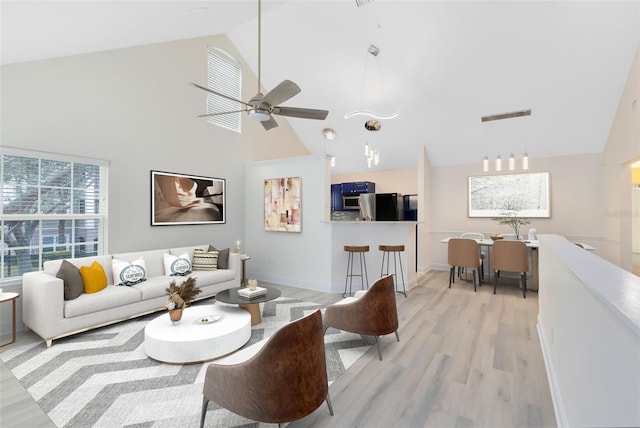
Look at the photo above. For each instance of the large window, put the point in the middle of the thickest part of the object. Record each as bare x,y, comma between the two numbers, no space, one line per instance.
224,76
53,207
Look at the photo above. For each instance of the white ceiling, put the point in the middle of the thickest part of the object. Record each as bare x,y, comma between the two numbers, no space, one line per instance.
444,65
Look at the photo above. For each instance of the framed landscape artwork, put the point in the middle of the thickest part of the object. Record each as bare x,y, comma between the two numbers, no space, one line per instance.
282,204
178,199
526,193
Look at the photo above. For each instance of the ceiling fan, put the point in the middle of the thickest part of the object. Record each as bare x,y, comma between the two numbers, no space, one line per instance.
262,107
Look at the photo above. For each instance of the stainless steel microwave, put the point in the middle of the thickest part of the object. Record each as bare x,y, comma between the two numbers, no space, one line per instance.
350,202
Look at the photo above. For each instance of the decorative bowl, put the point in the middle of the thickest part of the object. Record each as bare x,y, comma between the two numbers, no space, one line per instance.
497,238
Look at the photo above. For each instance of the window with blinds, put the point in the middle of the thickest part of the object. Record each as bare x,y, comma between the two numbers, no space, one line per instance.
52,208
224,76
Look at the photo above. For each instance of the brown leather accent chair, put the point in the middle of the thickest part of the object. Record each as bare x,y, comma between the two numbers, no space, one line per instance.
463,253
370,312
510,256
280,379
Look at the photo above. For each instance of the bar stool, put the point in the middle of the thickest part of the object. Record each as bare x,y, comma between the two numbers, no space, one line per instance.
396,250
360,250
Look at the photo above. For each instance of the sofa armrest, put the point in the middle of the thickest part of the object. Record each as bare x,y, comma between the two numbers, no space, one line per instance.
42,302
235,265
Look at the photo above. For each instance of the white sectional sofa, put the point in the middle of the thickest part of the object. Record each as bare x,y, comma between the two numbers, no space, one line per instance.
47,313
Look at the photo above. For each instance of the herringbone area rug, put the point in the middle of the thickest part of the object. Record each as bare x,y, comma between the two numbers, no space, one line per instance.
103,378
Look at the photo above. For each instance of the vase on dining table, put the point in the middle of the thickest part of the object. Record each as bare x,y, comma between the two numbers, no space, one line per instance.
175,315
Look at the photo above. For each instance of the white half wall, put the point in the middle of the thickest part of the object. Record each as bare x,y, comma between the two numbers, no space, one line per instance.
589,328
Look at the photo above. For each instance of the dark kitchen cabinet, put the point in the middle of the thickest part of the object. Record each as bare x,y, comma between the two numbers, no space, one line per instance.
336,197
358,187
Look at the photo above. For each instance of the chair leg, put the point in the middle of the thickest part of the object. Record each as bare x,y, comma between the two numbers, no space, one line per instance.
495,280
329,404
452,274
397,337
379,351
524,285
473,276
205,403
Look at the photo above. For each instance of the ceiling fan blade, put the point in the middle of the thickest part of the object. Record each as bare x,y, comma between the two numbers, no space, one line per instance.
281,93
219,94
224,112
268,124
303,113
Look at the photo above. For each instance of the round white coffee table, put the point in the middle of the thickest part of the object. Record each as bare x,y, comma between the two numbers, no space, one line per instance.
194,340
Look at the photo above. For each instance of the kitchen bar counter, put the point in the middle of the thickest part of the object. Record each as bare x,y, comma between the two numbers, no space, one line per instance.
373,234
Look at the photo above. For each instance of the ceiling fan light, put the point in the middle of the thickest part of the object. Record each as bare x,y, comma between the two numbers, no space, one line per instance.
259,115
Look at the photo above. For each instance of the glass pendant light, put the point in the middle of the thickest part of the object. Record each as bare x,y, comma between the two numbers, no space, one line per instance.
512,162
525,161
498,163
485,164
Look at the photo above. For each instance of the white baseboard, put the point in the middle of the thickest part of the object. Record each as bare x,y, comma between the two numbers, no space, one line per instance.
556,397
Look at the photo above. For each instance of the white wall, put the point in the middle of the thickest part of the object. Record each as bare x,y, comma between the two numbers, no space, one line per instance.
135,108
589,326
576,192
623,147
297,259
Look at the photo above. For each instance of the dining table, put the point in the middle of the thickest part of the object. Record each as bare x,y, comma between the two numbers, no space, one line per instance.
532,245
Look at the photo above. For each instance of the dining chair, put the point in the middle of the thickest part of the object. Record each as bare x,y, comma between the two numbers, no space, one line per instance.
463,253
510,256
477,236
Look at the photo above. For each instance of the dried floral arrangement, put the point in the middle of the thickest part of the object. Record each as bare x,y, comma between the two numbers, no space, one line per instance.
181,295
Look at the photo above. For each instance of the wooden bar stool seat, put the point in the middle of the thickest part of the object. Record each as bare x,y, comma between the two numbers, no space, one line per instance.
360,250
387,250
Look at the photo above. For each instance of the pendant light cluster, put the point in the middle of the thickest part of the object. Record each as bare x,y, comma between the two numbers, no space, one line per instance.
512,159
370,152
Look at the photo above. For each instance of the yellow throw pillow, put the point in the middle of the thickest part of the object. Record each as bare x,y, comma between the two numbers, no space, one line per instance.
94,277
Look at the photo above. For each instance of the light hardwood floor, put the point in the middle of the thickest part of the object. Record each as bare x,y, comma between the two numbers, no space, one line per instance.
464,359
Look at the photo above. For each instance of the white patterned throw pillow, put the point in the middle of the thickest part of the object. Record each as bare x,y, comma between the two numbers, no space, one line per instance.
177,265
204,260
125,273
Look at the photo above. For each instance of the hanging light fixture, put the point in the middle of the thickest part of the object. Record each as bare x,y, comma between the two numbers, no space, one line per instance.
512,159
512,162
371,153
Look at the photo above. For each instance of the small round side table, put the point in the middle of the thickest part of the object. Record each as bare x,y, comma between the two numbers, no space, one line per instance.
6,297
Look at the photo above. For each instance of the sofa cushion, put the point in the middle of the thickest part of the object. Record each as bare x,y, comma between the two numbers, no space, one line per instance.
154,287
204,260
52,266
188,250
208,277
125,273
110,297
73,283
93,277
154,260
177,265
223,257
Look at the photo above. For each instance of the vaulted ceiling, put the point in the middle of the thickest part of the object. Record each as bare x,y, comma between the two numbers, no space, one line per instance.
442,65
